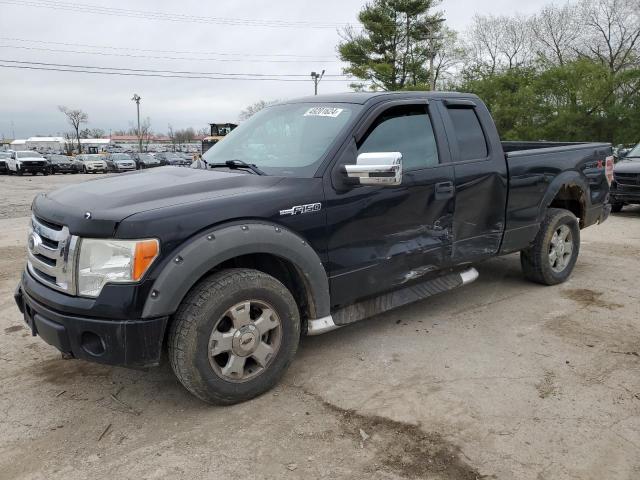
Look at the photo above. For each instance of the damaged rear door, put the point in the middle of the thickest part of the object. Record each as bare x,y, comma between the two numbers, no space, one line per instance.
380,238
481,179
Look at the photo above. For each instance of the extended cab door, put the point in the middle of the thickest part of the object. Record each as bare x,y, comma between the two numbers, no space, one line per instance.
381,238
481,179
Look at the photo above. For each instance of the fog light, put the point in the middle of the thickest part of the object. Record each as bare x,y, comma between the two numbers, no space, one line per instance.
92,344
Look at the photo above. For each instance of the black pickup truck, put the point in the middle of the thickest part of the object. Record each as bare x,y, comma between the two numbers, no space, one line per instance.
312,215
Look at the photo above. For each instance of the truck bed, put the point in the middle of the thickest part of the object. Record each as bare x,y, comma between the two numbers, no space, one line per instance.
536,172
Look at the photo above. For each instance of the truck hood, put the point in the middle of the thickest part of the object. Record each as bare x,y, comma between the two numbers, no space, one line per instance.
628,166
108,201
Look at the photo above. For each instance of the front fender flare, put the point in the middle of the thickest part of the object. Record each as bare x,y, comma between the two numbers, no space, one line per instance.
210,248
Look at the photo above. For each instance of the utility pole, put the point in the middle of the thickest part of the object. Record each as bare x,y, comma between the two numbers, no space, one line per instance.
316,77
432,51
136,98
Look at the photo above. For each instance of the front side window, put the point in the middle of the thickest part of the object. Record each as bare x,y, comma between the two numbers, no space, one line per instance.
472,144
407,130
287,140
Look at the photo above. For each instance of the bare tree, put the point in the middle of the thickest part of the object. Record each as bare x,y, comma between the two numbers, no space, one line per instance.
75,119
254,108
556,30
172,136
613,35
69,143
448,53
483,43
515,44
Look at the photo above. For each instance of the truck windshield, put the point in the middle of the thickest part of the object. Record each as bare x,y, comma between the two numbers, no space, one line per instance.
635,152
286,140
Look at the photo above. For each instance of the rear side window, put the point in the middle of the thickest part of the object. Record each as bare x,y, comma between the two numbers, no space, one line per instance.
469,135
407,130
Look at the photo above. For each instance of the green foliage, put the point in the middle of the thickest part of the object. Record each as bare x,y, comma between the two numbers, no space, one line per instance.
392,50
581,100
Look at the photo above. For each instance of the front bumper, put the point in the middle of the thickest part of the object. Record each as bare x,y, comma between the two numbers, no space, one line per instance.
123,342
626,195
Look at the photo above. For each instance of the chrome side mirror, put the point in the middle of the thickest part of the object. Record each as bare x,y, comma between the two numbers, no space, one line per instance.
383,169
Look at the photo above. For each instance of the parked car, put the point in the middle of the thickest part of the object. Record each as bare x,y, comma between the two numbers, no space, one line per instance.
171,158
145,160
621,151
120,162
92,163
313,215
4,157
625,189
63,164
27,161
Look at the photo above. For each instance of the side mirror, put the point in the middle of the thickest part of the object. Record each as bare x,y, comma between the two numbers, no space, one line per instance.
383,169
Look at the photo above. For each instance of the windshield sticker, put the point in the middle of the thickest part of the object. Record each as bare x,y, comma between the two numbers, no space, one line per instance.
324,112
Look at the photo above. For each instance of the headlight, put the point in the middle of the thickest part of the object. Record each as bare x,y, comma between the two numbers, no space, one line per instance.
113,261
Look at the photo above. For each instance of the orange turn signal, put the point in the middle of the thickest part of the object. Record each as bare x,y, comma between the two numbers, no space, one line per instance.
146,252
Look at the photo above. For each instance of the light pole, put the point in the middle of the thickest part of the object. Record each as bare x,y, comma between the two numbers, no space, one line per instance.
136,98
316,77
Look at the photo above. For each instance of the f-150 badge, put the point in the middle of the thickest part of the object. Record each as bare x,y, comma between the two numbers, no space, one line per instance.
300,209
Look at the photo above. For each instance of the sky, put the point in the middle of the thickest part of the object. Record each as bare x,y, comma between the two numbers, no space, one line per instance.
284,37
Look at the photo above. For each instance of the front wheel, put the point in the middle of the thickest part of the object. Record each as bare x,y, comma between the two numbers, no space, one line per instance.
233,336
553,255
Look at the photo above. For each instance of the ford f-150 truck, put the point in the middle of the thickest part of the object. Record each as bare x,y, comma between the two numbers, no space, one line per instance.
313,214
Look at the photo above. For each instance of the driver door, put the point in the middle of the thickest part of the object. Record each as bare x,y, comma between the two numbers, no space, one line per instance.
381,238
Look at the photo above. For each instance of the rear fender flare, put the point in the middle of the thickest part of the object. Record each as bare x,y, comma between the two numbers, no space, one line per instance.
212,247
565,179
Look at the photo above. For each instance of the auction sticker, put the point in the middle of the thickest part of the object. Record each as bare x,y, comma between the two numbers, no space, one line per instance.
323,112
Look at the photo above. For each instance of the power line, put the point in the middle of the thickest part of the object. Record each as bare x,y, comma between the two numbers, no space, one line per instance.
185,52
135,73
159,57
176,72
173,17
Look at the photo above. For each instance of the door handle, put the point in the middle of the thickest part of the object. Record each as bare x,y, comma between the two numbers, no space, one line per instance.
444,190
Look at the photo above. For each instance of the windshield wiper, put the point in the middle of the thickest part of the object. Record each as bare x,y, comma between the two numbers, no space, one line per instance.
235,164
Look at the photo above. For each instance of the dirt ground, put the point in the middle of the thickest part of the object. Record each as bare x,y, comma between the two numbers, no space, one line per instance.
502,379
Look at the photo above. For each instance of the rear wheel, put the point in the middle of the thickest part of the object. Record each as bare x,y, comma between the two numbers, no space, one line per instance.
234,336
553,255
617,207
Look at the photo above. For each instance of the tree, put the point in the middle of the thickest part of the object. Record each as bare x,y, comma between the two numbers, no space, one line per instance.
92,133
392,50
254,108
68,143
144,133
172,136
556,31
75,119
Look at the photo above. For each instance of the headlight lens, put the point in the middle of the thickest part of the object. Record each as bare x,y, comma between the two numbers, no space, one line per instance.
113,261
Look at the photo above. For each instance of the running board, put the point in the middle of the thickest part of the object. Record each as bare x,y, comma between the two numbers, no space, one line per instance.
390,301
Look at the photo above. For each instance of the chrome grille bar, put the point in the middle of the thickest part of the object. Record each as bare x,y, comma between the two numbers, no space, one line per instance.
54,267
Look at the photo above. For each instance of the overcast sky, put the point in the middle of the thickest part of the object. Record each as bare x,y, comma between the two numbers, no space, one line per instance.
29,98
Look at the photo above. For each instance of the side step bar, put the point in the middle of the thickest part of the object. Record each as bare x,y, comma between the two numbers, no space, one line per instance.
390,301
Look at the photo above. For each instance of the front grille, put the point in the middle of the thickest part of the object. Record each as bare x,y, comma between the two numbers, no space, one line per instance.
627,178
51,255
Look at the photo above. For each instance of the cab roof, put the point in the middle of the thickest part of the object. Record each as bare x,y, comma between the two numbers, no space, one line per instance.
362,98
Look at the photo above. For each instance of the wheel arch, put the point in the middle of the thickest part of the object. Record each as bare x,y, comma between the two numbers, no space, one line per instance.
266,247
569,192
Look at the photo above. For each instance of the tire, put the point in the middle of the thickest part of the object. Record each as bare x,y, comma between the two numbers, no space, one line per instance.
19,172
84,169
537,261
204,313
617,207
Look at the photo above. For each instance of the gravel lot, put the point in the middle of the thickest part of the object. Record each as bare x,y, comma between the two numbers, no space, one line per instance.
501,379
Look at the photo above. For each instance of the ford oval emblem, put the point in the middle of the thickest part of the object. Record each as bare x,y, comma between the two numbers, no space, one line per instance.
33,242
